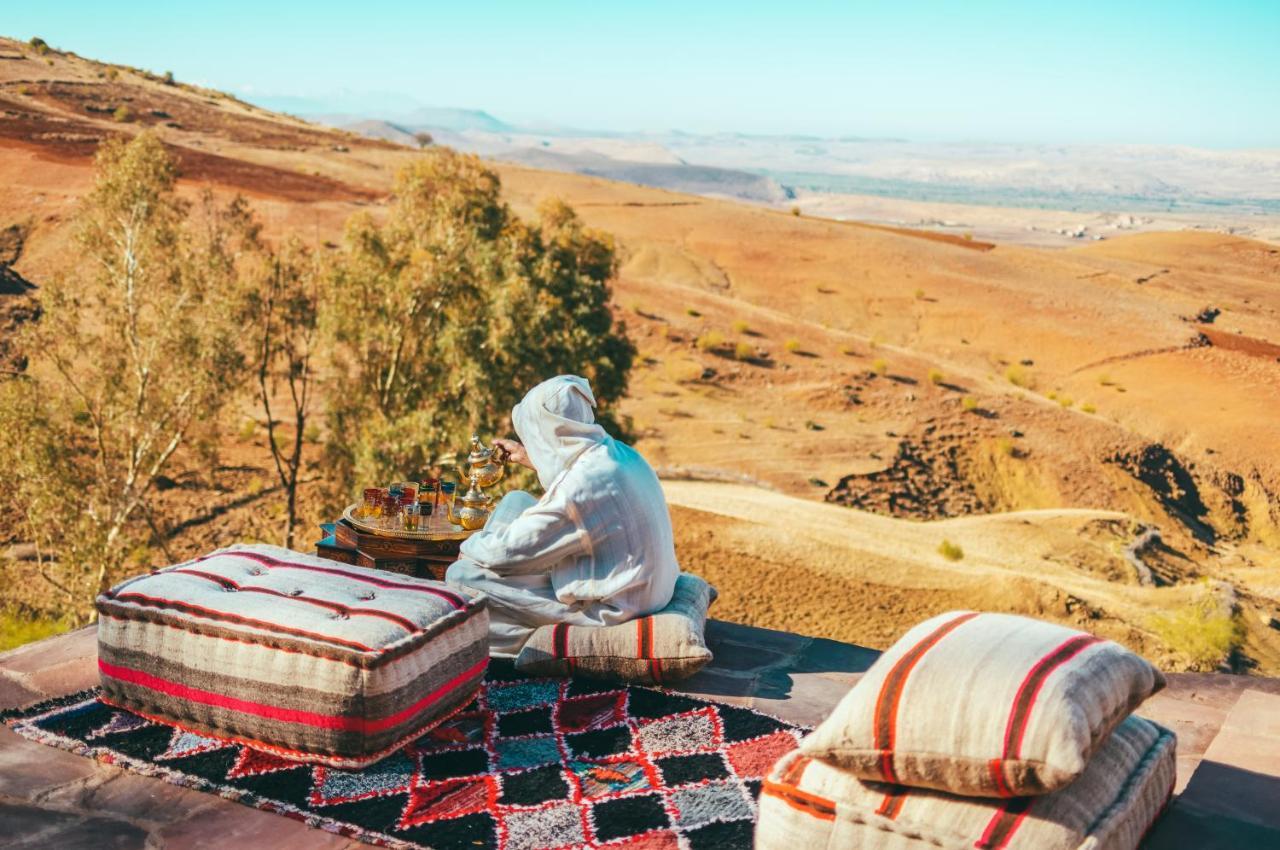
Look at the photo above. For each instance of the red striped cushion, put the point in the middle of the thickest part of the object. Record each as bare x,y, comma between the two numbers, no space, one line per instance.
662,647
984,704
290,653
806,803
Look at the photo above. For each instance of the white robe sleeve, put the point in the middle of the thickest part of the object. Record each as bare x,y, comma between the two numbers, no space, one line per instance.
537,540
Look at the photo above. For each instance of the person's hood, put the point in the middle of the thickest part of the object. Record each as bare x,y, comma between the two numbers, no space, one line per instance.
556,423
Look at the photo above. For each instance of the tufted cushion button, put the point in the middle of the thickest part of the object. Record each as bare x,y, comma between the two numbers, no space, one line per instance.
295,593
338,615
368,597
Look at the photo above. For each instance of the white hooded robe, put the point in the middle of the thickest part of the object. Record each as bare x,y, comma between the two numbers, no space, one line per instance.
595,550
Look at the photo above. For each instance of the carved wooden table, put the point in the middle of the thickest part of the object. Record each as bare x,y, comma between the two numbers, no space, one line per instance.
423,558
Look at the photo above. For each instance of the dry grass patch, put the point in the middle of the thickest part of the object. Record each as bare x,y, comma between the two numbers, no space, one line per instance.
1020,377
710,341
1201,631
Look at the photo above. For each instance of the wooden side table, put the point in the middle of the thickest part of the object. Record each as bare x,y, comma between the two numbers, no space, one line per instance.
422,558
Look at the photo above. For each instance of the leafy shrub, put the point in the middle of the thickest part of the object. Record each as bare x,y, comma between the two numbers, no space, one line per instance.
1065,401
39,45
167,79
247,430
935,376
969,404
692,312
795,211
744,350
950,551
1105,380
1201,631
1019,377
792,345
710,341
740,326
1088,408
846,350
880,366
1005,447
18,628
919,293
122,115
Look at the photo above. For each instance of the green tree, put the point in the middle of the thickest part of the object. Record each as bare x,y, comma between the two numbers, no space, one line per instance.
439,319
132,360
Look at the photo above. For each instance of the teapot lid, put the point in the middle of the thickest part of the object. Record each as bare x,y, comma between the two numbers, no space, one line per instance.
479,454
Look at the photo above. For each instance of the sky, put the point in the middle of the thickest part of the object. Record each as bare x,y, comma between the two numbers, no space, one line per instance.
1203,74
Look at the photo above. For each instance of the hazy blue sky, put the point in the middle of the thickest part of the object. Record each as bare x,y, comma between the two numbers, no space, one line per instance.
1200,73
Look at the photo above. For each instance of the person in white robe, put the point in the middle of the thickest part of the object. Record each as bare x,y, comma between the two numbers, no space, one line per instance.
595,550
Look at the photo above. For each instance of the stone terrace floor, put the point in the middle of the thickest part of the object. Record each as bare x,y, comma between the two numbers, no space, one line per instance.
1228,752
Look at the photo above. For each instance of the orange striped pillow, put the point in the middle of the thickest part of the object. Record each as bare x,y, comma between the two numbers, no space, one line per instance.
984,704
1112,805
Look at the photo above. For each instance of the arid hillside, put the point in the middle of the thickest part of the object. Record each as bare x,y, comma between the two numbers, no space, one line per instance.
1095,431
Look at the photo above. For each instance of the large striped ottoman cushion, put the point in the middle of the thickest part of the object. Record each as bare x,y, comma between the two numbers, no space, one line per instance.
986,704
302,657
810,804
663,647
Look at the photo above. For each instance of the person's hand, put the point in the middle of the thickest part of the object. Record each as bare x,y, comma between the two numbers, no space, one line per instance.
515,452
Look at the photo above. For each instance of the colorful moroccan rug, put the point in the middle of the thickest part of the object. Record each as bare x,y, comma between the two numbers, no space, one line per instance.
532,764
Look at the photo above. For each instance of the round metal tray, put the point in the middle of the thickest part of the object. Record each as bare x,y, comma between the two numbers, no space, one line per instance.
457,532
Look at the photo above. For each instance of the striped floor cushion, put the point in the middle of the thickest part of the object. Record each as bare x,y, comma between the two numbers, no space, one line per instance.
984,704
663,647
288,653
810,804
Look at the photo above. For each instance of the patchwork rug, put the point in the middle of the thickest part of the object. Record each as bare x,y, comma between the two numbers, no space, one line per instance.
531,764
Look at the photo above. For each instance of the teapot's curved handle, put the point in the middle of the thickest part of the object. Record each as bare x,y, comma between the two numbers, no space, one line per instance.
500,454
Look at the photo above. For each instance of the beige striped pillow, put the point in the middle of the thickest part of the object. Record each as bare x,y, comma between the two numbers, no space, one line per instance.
808,803
662,647
984,704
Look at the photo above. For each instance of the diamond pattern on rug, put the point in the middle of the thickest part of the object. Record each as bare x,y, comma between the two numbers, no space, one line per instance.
389,776
121,721
257,763
550,828
684,733
610,778
531,764
185,744
449,798
598,711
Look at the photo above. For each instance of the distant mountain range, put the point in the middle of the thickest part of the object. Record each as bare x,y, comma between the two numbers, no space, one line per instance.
773,169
